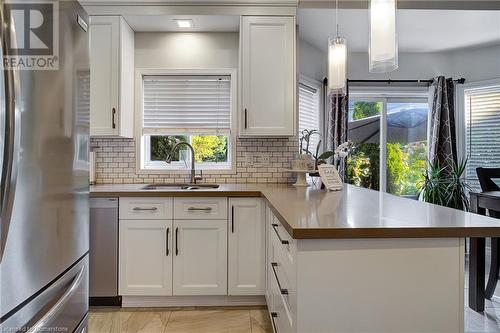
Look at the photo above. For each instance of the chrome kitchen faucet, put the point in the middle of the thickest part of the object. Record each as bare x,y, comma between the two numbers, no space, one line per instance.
193,178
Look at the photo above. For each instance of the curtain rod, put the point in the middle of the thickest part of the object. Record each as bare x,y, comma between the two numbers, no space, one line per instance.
459,81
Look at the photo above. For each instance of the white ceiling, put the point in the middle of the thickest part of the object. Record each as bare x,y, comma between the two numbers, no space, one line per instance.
418,30
219,23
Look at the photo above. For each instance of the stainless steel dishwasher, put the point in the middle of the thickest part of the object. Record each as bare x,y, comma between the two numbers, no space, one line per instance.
104,252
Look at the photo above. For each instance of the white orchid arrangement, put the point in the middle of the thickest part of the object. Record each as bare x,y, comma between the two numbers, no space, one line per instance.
344,149
340,152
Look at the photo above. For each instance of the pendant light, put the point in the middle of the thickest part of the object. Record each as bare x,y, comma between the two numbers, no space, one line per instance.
383,47
337,60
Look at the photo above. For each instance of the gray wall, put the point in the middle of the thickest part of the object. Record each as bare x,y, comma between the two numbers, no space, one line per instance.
474,64
477,64
186,50
312,61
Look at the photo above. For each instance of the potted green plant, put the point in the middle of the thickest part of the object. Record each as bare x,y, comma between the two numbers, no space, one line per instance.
446,186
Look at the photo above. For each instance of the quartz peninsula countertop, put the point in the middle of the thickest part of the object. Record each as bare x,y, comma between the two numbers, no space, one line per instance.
354,212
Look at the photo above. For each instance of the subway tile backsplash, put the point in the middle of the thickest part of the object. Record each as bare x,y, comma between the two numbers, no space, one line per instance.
257,161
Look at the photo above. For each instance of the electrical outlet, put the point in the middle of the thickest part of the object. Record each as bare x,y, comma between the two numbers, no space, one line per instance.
261,159
248,159
257,160
266,159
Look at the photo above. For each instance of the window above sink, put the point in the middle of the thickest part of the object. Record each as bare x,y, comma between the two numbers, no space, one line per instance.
195,106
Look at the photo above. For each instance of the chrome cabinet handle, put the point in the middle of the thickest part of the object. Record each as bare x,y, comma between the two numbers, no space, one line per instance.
283,241
152,209
273,316
283,291
208,209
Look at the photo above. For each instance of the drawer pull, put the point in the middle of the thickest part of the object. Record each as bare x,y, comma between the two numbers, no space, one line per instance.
283,241
282,290
152,209
273,316
208,209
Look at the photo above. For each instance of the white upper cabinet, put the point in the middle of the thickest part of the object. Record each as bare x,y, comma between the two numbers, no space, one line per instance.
268,76
111,77
246,250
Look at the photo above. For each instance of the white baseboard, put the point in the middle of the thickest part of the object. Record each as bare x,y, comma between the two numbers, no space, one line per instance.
180,301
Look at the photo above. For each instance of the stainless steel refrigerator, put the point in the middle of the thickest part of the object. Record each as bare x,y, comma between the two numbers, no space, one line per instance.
44,144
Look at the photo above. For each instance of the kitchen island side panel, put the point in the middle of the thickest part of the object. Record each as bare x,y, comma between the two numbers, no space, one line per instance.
380,285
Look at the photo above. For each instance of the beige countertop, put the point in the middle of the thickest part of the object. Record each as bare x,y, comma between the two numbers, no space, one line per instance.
309,213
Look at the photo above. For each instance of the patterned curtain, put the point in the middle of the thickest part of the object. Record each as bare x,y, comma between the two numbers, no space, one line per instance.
443,140
337,127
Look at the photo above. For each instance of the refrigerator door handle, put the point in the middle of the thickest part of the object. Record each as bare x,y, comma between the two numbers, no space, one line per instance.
59,306
11,134
4,100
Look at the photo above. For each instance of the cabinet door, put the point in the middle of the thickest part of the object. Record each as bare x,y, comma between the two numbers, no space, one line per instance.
200,257
104,75
145,257
246,256
268,76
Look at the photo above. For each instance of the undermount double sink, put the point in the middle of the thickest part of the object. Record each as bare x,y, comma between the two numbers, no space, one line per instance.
187,187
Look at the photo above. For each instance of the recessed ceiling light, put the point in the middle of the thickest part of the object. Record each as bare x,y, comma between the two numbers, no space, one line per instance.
184,23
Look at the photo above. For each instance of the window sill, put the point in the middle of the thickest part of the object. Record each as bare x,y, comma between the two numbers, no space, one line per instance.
186,171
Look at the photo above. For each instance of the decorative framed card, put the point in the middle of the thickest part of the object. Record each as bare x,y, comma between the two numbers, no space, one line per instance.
330,177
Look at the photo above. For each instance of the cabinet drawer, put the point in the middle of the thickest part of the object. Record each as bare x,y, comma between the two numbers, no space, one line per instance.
286,245
283,276
280,315
200,208
146,208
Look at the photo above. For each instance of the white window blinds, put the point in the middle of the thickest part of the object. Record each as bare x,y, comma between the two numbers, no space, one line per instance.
309,112
186,104
482,108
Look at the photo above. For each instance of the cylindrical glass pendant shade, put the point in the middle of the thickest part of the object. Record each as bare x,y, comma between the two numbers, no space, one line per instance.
337,65
383,43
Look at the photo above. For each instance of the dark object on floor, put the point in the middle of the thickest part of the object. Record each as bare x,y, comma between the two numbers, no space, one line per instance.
489,200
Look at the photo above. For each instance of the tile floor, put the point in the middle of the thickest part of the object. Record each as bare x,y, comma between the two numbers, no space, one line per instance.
249,320
179,321
489,320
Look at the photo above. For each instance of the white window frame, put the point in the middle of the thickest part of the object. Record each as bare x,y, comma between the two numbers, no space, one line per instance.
460,112
159,167
461,116
314,84
385,95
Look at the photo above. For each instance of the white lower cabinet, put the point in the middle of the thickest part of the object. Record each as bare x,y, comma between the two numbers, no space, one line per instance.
246,250
281,290
200,257
269,256
189,247
145,257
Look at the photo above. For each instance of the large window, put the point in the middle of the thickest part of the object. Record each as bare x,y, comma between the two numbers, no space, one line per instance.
310,102
390,136
193,108
482,130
